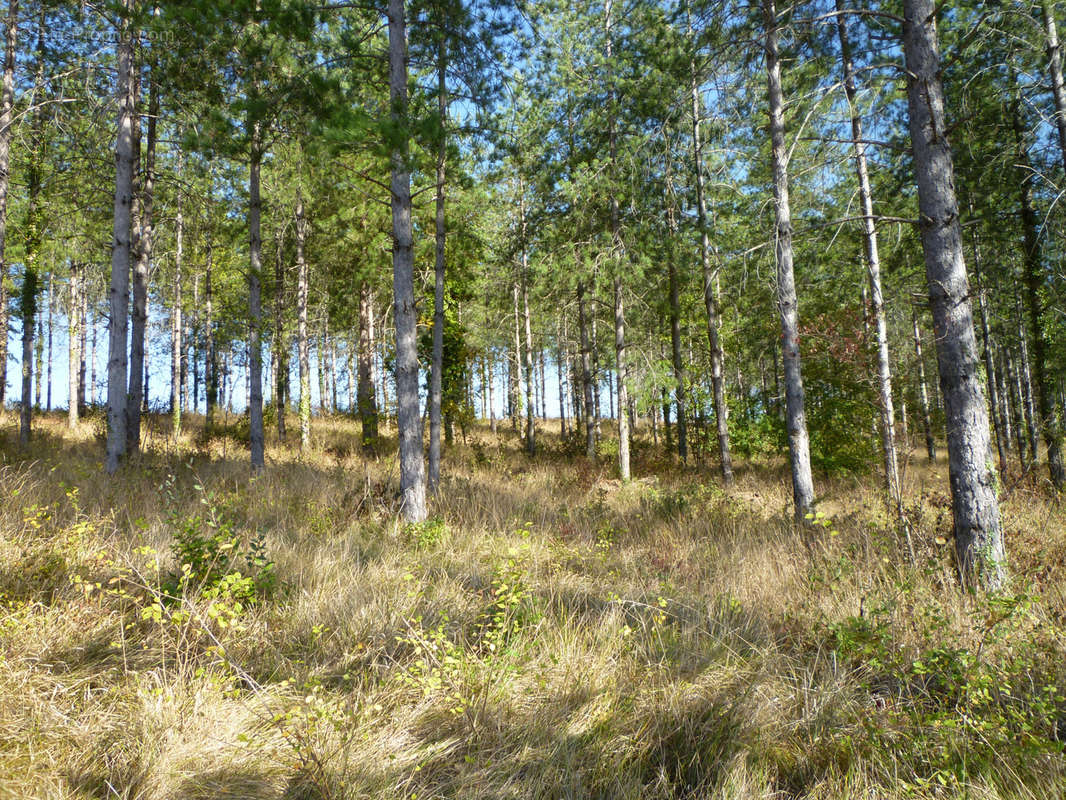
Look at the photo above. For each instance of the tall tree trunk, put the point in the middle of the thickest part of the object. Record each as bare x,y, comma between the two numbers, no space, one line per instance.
990,366
255,305
1003,394
210,357
923,392
176,324
710,298
51,310
194,344
675,332
616,243
28,298
490,367
586,378
120,251
280,352
531,427
408,419
796,421
7,103
368,412
74,352
978,536
142,262
515,377
302,345
1047,417
1025,375
437,364
873,270
562,370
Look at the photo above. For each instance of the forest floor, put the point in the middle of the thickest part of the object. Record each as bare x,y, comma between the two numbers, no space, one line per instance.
551,633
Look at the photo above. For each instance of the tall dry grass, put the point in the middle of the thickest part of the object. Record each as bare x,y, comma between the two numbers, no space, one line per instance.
553,634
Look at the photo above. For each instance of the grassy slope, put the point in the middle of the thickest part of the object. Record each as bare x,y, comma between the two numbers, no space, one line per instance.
559,635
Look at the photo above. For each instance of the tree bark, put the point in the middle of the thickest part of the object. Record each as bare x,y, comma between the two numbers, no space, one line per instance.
120,251
527,354
255,305
281,349
990,366
7,103
142,263
210,356
1025,375
74,355
368,412
302,345
675,332
177,346
586,379
408,419
1047,418
978,536
796,417
710,299
923,392
873,270
437,365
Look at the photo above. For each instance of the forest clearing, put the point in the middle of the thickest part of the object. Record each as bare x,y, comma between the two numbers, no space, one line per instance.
551,633
532,399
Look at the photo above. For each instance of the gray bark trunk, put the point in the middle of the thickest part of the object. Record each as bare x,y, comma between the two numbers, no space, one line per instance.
796,417
873,269
119,295
302,345
527,354
1025,375
990,365
978,536
7,103
368,412
176,323
74,355
437,365
210,357
710,299
408,419
141,268
923,392
1047,418
281,348
586,378
255,307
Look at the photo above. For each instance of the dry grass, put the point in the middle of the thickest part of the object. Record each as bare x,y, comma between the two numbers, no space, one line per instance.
559,635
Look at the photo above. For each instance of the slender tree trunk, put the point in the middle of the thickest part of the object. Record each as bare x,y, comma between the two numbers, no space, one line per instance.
7,103
515,379
302,345
1025,375
873,269
1047,418
675,335
492,399
210,357
710,298
978,536
194,345
177,346
368,412
255,305
74,345
527,355
1003,396
1017,396
120,252
51,312
408,419
141,265
798,441
437,365
92,363
586,379
562,369
990,366
923,392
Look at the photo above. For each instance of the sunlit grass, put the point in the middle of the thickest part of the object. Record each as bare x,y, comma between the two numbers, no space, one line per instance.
556,634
